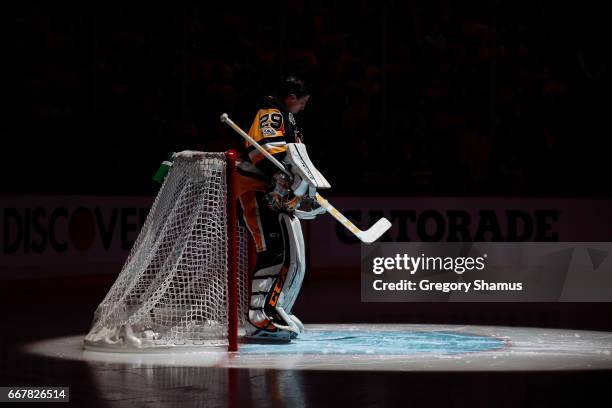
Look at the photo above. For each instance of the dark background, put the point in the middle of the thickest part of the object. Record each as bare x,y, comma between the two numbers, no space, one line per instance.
408,97
420,98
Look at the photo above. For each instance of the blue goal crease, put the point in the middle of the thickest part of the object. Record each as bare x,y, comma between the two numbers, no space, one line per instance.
368,342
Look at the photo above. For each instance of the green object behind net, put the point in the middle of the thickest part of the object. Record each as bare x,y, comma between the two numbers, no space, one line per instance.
164,168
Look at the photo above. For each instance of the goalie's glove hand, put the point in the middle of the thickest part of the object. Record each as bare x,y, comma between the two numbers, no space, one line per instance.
308,209
280,197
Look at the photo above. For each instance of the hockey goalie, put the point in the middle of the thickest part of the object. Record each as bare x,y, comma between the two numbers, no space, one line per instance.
272,203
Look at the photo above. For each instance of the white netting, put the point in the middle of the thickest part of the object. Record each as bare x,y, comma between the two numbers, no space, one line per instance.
172,290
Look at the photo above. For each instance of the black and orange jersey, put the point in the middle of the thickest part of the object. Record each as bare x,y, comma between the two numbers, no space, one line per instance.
273,127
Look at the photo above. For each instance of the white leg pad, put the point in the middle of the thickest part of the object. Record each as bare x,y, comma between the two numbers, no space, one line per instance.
297,267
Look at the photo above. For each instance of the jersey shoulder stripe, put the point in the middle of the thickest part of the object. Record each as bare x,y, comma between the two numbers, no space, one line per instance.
256,156
272,140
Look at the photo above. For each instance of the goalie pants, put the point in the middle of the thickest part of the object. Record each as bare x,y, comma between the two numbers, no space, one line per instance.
279,270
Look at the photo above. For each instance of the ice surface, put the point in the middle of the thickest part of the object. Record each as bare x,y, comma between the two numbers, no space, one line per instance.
365,341
369,347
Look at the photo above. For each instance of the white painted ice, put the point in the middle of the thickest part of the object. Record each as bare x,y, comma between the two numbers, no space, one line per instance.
508,349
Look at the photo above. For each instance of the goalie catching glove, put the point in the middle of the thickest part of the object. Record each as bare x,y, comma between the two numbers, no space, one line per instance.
280,197
286,193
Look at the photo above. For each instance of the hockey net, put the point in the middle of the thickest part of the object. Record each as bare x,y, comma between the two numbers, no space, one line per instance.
176,287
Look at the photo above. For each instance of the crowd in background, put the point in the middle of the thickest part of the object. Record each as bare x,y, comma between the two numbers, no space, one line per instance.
408,97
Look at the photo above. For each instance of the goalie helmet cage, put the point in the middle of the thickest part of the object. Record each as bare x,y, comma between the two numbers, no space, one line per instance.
185,282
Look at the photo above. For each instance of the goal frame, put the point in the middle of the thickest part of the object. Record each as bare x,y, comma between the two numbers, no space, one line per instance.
235,274
231,157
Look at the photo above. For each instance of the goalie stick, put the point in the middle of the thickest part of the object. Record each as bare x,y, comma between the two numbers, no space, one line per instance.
368,236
